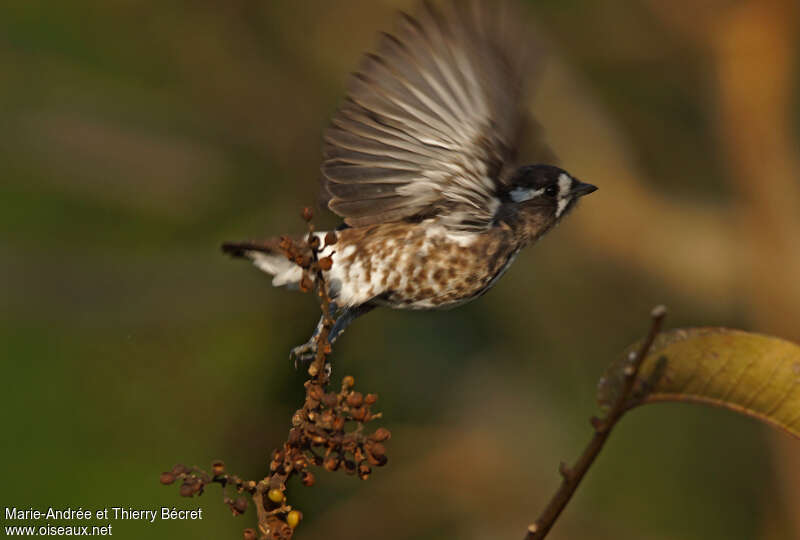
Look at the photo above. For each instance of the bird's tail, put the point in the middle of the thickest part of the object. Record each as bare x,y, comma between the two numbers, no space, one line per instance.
267,256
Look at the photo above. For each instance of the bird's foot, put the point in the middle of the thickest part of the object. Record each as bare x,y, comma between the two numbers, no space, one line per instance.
303,354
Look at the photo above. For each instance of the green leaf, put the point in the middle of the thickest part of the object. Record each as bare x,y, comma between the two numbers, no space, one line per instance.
748,373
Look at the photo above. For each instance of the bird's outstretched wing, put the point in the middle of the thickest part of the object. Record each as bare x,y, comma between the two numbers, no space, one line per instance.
432,121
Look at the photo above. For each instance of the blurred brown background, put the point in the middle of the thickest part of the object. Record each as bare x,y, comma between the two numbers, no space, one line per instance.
137,135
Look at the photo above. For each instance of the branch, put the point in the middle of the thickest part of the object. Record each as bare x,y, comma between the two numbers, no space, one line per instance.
327,431
572,476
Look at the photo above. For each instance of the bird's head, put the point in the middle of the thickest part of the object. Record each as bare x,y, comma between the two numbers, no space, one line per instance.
538,196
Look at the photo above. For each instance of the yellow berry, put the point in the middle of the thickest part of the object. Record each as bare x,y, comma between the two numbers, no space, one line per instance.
293,518
275,495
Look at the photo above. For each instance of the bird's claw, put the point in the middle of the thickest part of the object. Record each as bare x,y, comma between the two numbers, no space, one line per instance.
303,354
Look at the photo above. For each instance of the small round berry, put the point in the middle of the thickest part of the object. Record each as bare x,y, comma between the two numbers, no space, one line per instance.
249,534
308,214
308,479
377,461
325,263
381,434
187,490
370,399
330,238
355,399
315,391
276,496
293,518
240,504
377,450
218,468
348,381
167,478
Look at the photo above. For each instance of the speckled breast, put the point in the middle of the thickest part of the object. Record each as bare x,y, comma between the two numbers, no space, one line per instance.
417,266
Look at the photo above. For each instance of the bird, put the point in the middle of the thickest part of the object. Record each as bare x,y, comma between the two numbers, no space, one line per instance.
421,161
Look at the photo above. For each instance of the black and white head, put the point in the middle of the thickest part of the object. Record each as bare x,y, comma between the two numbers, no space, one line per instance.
543,191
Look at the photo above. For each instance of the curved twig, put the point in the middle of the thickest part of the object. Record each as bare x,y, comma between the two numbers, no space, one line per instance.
572,476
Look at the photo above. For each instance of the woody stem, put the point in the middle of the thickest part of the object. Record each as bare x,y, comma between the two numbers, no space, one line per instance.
572,476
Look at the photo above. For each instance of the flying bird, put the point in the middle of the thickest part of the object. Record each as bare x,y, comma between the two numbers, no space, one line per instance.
421,162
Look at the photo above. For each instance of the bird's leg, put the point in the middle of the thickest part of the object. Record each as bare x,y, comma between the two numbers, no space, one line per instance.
348,316
302,354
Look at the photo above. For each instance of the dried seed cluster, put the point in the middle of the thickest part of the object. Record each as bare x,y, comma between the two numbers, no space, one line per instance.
306,255
195,480
327,431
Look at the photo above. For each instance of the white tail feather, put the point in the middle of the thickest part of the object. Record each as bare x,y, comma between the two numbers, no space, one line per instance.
284,270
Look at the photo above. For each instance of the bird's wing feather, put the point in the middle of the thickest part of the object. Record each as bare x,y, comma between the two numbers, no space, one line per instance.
432,121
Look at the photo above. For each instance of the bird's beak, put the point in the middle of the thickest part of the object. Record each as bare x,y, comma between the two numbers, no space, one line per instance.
580,189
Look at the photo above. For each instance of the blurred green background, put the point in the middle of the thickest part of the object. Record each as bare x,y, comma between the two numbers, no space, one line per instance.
138,135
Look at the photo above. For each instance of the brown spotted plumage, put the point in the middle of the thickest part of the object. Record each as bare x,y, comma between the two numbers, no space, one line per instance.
420,162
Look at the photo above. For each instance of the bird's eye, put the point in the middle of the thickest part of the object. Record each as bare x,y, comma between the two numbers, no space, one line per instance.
551,191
